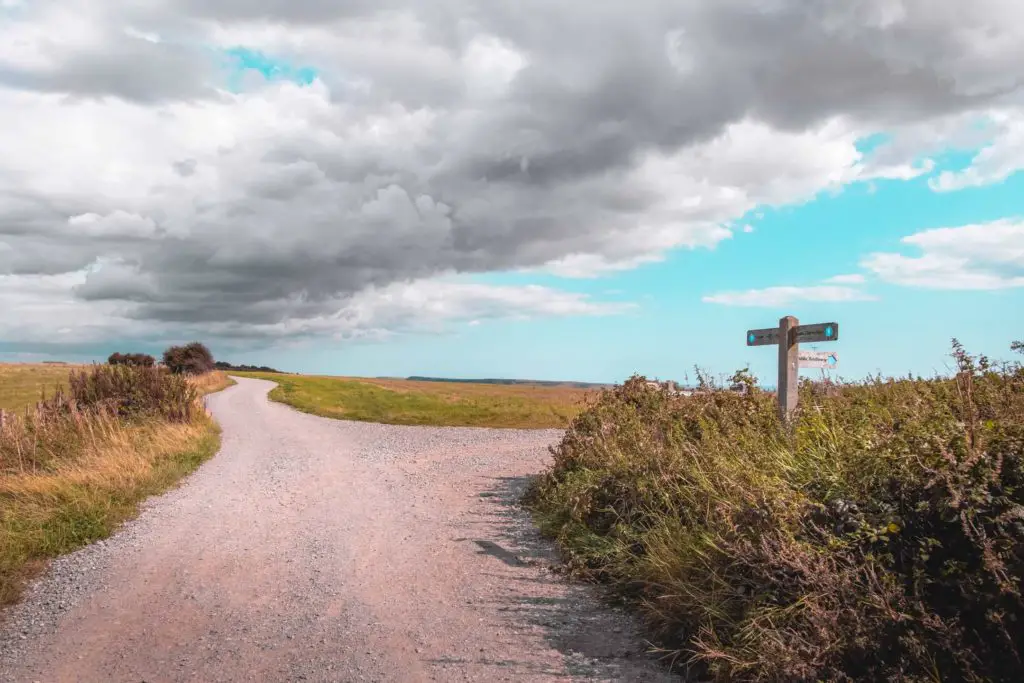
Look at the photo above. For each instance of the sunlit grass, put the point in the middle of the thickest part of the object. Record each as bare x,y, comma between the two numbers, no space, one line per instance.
449,404
212,382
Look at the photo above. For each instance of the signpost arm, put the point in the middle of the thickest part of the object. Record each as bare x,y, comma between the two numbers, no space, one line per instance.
789,366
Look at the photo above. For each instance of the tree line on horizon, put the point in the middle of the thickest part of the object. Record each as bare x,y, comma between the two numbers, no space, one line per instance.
193,358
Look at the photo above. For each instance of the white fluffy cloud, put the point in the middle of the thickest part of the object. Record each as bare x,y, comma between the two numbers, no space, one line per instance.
983,256
1002,155
773,297
848,279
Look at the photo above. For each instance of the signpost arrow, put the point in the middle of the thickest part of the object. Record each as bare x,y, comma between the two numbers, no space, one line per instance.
822,332
766,337
819,359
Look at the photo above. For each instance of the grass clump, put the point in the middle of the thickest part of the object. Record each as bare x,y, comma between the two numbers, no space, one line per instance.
881,537
76,464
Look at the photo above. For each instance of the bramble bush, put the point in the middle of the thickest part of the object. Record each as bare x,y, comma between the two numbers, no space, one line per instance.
878,537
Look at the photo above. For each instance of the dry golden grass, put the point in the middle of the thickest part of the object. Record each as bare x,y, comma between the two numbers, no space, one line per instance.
23,384
211,382
448,404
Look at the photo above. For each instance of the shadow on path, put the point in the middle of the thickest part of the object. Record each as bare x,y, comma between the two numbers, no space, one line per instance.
598,639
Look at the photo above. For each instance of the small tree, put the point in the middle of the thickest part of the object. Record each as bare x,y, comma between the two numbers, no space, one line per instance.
190,359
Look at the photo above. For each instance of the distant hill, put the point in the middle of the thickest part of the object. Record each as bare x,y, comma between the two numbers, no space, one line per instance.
545,383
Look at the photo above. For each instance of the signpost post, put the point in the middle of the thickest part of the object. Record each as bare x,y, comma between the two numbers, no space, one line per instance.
788,336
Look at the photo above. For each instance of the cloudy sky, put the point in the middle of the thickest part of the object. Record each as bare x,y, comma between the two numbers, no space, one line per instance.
531,188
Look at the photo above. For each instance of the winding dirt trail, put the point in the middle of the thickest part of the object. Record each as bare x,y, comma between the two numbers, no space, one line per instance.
311,549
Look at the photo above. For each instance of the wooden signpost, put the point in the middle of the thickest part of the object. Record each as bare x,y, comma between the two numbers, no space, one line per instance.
788,336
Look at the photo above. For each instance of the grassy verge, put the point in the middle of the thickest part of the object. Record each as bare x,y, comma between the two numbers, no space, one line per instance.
48,513
212,382
881,538
74,469
429,403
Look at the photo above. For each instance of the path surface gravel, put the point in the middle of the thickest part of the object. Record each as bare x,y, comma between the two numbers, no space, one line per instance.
312,549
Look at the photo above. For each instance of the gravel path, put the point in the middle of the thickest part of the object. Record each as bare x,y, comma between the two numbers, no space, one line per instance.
311,549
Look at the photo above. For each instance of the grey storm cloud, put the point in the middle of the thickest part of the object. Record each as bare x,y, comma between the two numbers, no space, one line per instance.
416,155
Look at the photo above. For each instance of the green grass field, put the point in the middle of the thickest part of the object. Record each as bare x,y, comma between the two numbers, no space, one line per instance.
448,404
23,384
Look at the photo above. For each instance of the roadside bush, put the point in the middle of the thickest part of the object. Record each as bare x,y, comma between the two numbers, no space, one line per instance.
190,359
143,359
881,537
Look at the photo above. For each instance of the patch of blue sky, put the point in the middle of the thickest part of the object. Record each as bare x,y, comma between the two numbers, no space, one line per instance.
243,62
870,143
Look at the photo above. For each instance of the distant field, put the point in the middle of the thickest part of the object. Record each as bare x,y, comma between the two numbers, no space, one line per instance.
447,404
22,384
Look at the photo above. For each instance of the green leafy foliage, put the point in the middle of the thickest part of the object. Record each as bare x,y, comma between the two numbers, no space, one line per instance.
879,537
